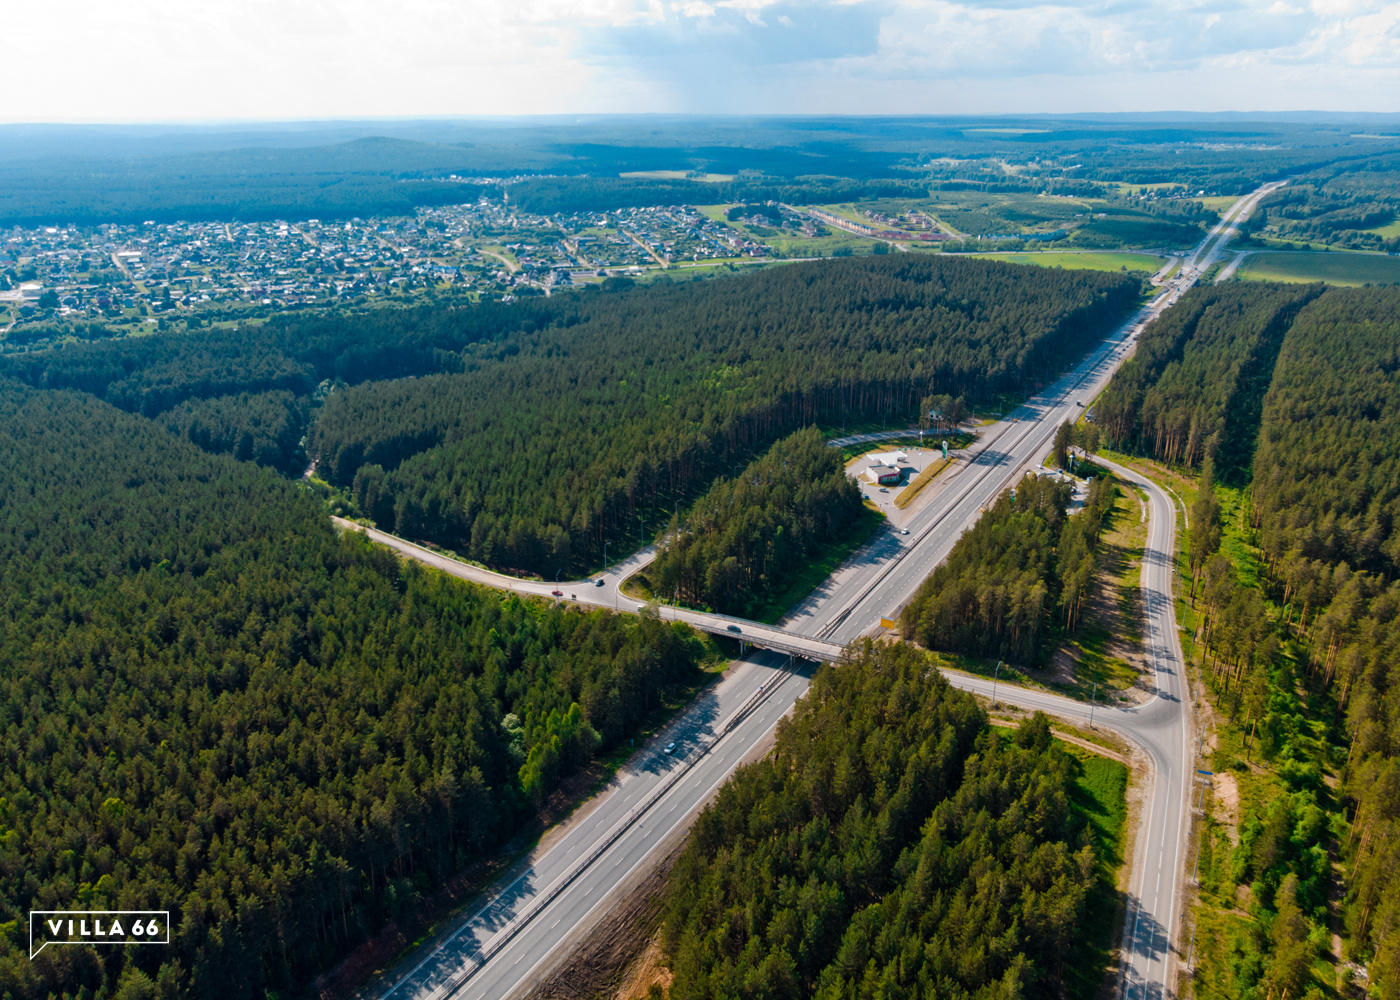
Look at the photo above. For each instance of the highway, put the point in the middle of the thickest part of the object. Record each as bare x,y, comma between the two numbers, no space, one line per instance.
526,925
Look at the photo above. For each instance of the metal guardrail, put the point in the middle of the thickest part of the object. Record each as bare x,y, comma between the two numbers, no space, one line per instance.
518,923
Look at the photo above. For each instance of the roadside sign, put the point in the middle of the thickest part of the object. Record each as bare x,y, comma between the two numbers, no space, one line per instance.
887,623
1199,771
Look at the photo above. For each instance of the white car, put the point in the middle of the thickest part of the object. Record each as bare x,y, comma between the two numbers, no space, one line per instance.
670,748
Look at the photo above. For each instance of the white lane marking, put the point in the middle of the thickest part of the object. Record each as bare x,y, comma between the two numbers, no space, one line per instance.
645,854
537,868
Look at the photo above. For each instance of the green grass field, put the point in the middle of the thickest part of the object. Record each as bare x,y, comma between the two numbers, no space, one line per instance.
1081,261
674,175
1336,268
1221,203
1100,797
1388,230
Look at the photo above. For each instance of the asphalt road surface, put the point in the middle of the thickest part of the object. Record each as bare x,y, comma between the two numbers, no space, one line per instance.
525,924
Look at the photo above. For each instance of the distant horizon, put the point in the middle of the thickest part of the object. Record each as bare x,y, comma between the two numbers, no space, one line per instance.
1299,116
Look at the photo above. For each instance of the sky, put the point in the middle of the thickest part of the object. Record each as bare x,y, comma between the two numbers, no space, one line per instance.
208,60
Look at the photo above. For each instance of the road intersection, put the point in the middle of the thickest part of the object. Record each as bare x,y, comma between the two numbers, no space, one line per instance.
527,923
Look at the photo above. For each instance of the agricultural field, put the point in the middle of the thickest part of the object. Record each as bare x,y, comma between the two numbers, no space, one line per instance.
677,175
1082,260
1335,268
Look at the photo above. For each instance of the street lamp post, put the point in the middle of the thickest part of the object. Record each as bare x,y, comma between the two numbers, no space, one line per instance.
995,674
1093,698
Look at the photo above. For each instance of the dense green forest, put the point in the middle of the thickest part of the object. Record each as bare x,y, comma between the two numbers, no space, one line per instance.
1297,613
358,178
216,705
891,845
1195,386
62,174
745,536
548,195
550,424
264,427
1020,574
1326,505
552,441
150,375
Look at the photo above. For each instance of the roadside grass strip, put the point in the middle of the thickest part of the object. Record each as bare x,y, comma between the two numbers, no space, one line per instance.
906,496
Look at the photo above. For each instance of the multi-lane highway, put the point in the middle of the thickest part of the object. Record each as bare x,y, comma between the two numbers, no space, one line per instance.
527,922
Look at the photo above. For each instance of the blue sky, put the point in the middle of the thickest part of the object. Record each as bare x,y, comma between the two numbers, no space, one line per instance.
141,60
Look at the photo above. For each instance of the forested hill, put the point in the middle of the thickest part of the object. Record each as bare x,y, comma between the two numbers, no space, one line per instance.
891,846
215,705
1301,610
550,442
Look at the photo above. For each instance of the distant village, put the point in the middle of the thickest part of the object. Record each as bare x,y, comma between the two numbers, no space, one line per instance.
197,273
70,281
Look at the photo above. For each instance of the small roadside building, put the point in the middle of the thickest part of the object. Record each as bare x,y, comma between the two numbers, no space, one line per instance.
882,475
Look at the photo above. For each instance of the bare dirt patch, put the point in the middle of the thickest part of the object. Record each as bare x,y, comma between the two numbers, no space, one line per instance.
620,953
1227,797
649,970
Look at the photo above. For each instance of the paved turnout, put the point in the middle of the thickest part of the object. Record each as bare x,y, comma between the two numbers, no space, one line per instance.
524,924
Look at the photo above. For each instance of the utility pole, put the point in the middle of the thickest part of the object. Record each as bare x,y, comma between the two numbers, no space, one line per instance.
1093,698
641,531
995,674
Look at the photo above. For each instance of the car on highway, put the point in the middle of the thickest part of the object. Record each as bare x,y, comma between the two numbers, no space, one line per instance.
599,583
670,748
557,593
734,628
904,531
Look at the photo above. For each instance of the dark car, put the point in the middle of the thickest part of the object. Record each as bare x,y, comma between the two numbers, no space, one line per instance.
734,628
599,583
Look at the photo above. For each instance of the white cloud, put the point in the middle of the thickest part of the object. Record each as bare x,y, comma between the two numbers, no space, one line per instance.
145,59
